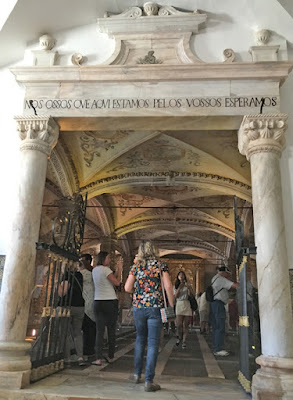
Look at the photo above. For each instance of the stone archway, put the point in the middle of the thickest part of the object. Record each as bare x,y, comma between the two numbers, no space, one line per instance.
192,102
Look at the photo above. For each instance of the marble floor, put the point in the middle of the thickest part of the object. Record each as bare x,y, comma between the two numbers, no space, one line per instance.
184,374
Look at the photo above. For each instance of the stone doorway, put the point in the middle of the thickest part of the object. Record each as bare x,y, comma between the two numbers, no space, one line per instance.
164,140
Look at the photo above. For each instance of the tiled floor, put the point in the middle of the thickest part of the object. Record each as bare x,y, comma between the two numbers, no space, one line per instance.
184,374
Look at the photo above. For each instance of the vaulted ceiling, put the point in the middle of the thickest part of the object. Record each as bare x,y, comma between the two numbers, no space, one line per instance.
174,187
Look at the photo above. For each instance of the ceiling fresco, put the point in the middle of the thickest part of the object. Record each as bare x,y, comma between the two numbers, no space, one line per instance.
174,187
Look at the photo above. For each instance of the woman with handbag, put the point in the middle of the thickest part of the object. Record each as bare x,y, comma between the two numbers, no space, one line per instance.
182,291
145,281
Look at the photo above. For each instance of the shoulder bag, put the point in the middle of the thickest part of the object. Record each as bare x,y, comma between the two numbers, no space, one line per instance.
167,313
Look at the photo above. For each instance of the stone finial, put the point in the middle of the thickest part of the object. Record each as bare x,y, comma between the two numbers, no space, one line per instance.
47,42
262,133
262,37
37,133
150,8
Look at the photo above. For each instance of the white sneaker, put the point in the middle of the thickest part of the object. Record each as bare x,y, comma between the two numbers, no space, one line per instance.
222,353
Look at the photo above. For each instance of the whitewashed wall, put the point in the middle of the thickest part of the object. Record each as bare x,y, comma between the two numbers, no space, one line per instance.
228,26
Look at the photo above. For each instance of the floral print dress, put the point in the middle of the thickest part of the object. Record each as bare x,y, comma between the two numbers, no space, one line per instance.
147,287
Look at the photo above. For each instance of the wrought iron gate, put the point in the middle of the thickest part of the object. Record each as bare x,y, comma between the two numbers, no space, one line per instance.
246,320
47,354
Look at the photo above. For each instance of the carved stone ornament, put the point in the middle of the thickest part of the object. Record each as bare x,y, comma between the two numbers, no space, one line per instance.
262,133
149,9
163,30
47,42
77,59
37,133
150,58
229,55
262,37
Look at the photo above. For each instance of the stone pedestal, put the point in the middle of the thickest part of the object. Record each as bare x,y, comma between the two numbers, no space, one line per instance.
38,136
274,380
261,139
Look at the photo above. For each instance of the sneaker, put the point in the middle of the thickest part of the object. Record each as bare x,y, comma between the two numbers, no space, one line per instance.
177,342
136,378
81,362
184,346
222,353
151,387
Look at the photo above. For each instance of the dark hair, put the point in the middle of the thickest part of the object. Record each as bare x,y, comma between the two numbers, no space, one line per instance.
87,256
177,282
101,257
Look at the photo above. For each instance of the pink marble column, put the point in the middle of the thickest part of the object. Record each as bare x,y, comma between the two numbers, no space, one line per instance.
38,137
261,139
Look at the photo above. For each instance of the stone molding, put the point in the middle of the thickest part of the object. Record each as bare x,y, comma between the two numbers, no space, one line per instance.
37,133
169,222
193,243
63,169
275,362
157,178
154,73
262,133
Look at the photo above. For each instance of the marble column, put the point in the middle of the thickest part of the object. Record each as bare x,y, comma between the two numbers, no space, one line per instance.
262,138
38,136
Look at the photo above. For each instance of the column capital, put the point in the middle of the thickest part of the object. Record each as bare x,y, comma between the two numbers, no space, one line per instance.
37,133
262,133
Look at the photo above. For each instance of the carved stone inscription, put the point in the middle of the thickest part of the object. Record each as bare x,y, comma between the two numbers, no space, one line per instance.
60,106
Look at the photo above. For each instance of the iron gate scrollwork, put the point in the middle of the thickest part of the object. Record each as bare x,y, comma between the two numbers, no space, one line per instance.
47,354
246,322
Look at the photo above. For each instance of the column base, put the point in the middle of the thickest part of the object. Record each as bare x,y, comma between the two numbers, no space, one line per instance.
15,365
274,380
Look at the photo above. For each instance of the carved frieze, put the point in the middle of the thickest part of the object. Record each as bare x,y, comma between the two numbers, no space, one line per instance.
262,133
37,133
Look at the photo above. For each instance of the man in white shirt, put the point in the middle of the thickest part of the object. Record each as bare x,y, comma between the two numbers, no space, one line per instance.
220,285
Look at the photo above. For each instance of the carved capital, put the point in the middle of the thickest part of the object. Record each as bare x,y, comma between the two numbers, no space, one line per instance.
37,133
262,133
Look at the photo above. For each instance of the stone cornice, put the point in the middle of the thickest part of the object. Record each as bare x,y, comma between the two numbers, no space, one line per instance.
37,133
153,73
262,133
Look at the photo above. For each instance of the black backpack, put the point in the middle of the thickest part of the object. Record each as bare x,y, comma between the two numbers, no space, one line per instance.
210,292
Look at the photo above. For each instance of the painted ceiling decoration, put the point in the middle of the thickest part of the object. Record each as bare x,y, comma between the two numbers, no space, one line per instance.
174,187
